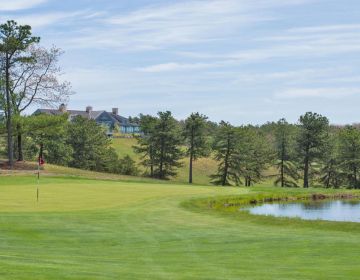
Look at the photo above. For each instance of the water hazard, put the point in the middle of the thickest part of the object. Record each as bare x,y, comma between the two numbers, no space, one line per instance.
333,210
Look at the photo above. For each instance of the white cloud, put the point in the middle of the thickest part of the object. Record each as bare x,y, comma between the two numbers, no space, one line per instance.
327,93
325,28
299,43
298,76
180,23
45,19
13,5
173,66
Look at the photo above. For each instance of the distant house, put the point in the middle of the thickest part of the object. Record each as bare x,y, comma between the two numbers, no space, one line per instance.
111,120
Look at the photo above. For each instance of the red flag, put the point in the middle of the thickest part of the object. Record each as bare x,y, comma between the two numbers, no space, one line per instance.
41,161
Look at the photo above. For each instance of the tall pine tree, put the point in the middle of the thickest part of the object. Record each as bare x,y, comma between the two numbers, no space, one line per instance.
166,142
349,151
311,141
225,147
288,174
145,142
196,139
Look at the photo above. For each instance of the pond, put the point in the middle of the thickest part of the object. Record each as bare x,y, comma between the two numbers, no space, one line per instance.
333,210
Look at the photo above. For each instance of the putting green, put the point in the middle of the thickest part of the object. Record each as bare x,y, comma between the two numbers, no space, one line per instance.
64,194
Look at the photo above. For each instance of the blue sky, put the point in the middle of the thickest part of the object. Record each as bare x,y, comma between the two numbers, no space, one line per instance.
244,61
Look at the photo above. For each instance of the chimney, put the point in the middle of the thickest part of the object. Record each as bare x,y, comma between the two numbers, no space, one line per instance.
115,111
62,108
88,109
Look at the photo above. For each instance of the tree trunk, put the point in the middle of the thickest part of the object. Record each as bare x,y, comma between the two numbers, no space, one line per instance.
355,177
282,162
9,127
41,151
247,181
151,162
19,144
161,167
226,164
191,156
306,172
191,169
328,180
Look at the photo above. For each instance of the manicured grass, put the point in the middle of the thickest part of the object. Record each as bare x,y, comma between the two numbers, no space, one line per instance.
203,167
93,229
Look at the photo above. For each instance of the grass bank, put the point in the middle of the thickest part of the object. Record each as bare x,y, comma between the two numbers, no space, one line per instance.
203,167
231,206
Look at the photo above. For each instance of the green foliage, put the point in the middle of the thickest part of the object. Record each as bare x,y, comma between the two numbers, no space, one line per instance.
14,42
166,141
242,153
284,143
160,145
225,148
196,139
195,136
50,132
349,154
145,142
15,39
331,172
311,141
253,155
128,166
90,145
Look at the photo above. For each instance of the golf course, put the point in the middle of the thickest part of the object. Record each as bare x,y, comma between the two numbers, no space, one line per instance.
109,229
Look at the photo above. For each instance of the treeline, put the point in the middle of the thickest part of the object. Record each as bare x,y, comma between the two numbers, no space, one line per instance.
308,153
79,143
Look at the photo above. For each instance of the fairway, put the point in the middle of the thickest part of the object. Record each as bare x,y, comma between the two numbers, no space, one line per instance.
93,229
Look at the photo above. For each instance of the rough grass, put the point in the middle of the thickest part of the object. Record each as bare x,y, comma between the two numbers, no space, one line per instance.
203,167
96,229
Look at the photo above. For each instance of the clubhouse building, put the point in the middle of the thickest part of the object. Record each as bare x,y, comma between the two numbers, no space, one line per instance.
112,120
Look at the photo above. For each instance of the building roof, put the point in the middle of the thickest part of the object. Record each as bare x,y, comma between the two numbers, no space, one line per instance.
89,115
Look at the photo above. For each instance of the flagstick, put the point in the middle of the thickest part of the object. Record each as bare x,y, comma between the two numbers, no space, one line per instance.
38,182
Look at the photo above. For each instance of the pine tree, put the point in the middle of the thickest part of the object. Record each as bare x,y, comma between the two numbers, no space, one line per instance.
288,174
225,147
331,173
166,143
253,154
349,154
145,142
196,140
311,140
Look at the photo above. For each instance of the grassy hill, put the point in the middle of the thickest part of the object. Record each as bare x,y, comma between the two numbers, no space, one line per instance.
203,168
101,229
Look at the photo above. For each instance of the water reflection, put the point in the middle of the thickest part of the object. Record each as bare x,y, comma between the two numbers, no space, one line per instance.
336,210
